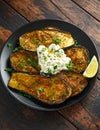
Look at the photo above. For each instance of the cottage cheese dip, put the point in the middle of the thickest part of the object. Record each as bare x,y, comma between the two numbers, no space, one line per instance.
52,59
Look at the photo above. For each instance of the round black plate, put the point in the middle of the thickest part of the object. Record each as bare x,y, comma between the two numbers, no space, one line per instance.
77,34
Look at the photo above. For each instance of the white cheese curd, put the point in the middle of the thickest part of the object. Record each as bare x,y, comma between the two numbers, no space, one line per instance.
52,59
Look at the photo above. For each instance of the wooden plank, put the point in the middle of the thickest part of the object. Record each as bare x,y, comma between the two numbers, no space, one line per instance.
9,17
36,9
81,118
91,6
92,102
13,113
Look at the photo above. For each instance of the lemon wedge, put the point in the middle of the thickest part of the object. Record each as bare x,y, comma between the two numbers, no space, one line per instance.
92,68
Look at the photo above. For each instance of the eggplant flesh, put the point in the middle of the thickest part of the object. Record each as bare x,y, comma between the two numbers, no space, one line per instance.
80,58
31,40
50,90
25,61
76,81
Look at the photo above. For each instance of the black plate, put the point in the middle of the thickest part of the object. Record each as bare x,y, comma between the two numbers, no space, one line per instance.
77,33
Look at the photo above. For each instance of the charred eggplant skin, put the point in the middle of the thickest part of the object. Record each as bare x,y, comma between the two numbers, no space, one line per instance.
52,89
48,90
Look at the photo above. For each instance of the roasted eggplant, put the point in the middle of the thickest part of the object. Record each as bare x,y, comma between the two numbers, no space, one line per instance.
54,89
25,61
31,40
50,90
80,58
75,80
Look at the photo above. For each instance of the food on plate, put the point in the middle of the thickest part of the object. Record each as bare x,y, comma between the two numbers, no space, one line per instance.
75,80
80,58
24,61
49,68
48,90
92,68
52,59
31,40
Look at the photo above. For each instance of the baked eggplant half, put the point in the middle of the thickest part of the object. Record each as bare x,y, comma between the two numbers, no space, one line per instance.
31,40
76,81
50,90
80,58
24,61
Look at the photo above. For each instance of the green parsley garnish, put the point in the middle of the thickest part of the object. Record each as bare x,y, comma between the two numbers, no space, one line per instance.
29,60
49,70
55,67
57,50
52,99
57,40
44,49
22,64
77,43
45,58
35,41
34,63
25,95
40,89
16,49
9,45
70,65
22,44
9,69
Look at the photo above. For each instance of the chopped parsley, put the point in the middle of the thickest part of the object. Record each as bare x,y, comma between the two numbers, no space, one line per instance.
16,49
77,43
70,65
9,69
45,58
29,60
25,94
40,89
57,50
9,45
43,49
34,63
35,41
57,40
55,67
22,64
49,71
22,44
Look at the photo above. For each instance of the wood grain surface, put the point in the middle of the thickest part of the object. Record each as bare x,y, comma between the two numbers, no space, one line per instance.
90,6
84,115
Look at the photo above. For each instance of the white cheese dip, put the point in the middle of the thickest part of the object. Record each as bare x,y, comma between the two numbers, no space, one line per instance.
52,59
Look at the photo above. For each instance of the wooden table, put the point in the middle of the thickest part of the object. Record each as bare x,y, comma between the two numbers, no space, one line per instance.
84,115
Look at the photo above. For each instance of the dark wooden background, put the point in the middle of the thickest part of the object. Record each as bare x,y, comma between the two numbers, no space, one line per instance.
84,115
